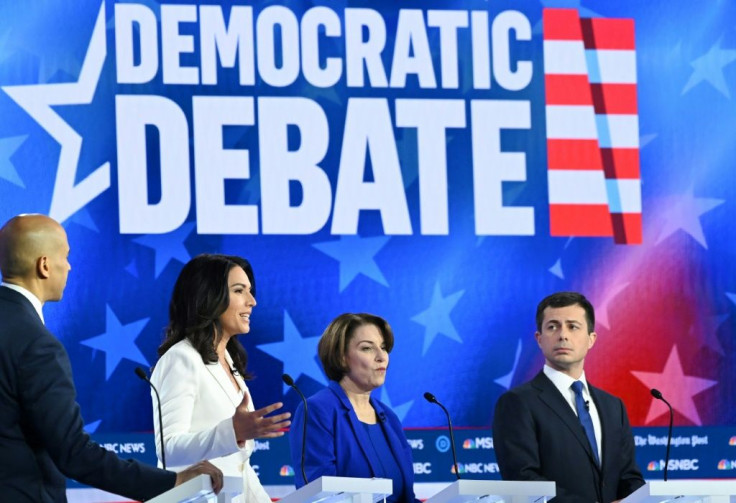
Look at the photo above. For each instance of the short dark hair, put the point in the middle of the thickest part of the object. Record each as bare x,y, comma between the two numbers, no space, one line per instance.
200,296
333,345
564,299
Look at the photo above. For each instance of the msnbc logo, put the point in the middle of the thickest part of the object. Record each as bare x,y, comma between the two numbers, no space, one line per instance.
732,441
726,464
286,471
687,464
478,443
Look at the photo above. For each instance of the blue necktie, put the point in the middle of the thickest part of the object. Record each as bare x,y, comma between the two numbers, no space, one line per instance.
585,418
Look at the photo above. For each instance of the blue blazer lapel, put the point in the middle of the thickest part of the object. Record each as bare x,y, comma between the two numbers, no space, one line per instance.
396,443
359,432
551,396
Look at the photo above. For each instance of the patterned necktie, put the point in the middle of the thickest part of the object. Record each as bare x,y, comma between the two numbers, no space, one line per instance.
585,419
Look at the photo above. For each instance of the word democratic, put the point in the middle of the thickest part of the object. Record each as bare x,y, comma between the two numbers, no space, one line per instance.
352,50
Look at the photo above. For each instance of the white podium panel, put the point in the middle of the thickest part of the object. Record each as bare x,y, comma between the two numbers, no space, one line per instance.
507,491
341,489
199,490
685,491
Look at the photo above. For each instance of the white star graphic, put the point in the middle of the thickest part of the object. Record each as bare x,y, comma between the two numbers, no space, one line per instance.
683,213
677,387
601,318
709,68
37,100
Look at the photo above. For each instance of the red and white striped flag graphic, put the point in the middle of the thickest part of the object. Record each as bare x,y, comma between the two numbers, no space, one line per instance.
592,126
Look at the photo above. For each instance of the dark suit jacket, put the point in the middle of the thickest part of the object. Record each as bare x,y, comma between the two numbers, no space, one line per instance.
41,435
336,440
537,436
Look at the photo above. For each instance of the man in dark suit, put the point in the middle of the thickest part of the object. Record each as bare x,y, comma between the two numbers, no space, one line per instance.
557,426
41,435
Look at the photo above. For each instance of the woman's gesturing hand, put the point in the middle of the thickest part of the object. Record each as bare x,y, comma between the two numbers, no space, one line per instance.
255,424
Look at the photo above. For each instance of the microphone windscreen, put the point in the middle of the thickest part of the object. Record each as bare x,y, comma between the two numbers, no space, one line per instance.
141,373
287,380
430,397
656,393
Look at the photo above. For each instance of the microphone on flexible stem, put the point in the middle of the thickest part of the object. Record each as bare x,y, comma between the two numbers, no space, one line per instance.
431,399
290,382
142,374
658,395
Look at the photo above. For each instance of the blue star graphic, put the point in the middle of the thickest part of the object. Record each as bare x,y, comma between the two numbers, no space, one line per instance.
709,68
70,195
84,218
296,352
505,380
436,318
92,427
118,342
731,297
705,332
556,269
168,246
132,269
400,410
8,146
355,255
683,213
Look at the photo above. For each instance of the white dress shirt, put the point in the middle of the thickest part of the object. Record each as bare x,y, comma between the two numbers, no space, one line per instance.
563,383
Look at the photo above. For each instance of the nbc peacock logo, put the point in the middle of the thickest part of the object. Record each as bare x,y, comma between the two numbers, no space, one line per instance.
732,441
655,466
469,444
286,471
726,464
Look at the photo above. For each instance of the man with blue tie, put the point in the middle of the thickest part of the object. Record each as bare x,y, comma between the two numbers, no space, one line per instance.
557,426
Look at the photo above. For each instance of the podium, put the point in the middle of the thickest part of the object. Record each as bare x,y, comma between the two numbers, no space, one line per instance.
508,491
685,491
341,489
199,490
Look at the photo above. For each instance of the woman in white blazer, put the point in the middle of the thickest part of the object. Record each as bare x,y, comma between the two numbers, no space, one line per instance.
206,406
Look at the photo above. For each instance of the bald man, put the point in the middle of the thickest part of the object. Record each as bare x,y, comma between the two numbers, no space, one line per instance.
41,435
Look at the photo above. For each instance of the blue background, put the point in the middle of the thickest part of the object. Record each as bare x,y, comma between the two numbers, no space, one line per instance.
461,305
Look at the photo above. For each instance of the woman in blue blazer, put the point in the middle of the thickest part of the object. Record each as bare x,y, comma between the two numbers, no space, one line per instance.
350,433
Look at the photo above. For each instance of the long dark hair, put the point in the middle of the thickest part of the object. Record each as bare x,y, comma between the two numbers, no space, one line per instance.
199,298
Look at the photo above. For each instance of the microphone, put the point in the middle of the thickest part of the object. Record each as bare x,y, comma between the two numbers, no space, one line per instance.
290,382
431,399
142,374
658,395
587,405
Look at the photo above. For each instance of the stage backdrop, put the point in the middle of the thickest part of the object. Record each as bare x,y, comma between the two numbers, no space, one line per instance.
442,164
